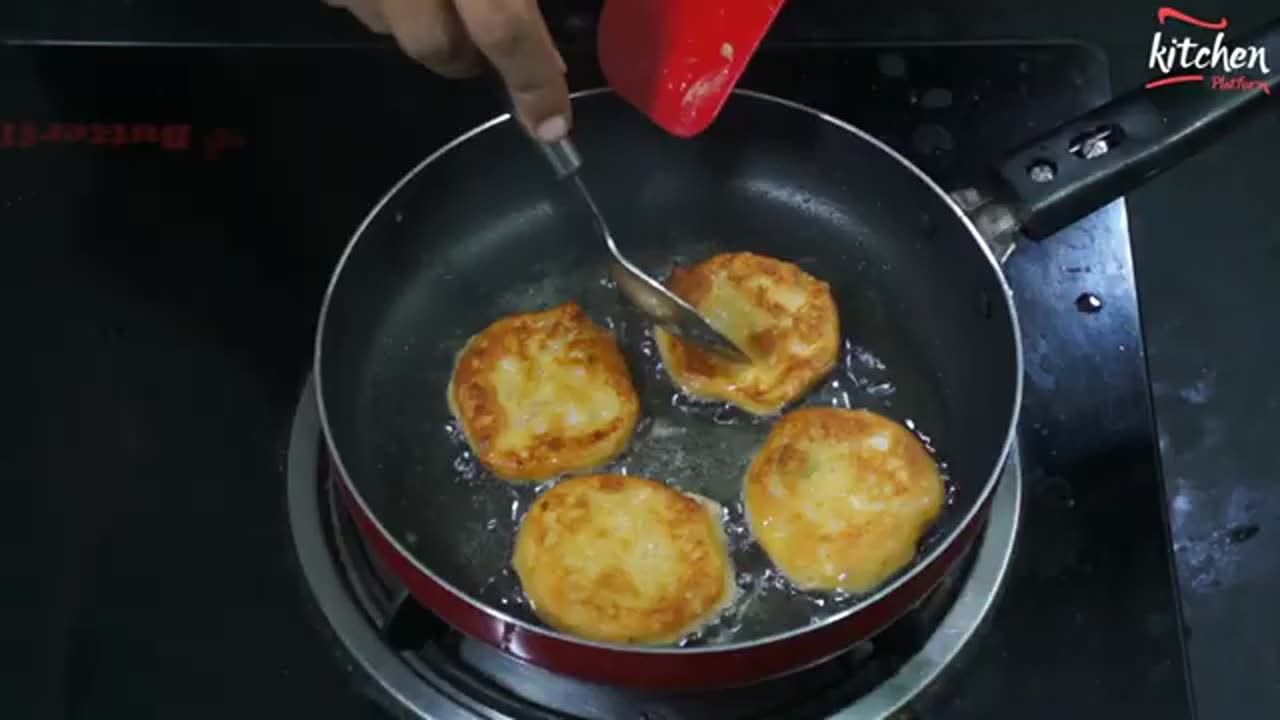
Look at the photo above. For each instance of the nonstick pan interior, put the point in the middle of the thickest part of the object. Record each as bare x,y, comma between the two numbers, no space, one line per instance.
483,230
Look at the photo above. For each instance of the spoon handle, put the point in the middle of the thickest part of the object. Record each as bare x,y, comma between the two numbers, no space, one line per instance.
563,157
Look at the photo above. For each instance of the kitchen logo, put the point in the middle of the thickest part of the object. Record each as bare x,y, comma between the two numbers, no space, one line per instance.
1184,59
174,138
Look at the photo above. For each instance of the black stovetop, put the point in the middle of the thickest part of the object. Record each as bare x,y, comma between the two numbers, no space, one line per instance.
171,216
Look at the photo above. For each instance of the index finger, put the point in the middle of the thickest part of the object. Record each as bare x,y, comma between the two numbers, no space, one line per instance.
514,36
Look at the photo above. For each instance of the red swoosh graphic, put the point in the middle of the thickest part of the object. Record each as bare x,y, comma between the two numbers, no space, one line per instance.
1165,13
1173,80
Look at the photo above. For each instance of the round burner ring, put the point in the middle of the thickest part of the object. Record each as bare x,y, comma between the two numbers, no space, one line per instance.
416,695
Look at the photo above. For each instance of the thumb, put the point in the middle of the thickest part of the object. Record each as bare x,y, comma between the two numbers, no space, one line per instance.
514,36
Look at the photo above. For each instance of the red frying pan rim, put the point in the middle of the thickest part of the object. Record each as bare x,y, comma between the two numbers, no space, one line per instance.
979,503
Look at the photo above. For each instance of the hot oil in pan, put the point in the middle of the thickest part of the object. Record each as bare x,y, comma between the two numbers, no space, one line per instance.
697,446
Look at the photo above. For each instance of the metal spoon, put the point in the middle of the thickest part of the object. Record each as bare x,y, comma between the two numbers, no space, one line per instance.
650,296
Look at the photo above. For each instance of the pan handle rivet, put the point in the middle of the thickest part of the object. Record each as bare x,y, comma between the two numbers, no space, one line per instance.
1088,303
1096,142
1042,171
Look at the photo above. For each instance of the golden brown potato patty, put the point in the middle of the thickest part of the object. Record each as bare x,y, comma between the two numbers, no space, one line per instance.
839,498
543,393
782,317
624,559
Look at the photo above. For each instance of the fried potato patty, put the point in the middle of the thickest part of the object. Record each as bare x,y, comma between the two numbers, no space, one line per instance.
784,319
624,559
839,498
543,393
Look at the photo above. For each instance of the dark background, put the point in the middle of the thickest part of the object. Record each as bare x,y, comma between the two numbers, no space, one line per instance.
1207,246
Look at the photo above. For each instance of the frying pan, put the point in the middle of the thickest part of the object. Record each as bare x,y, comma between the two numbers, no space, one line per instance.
480,229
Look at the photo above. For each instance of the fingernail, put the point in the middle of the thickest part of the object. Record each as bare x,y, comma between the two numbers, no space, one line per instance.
552,129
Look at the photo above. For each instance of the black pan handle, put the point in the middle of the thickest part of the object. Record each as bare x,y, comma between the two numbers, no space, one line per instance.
1088,162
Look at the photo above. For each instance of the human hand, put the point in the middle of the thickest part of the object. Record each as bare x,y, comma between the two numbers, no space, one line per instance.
455,37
